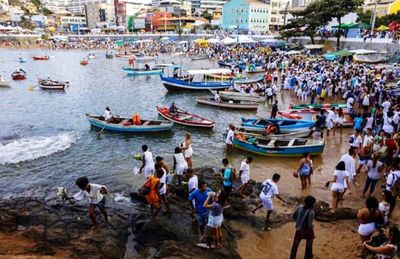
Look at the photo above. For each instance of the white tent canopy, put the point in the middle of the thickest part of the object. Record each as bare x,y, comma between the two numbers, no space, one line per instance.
245,39
183,42
363,51
213,40
229,41
293,52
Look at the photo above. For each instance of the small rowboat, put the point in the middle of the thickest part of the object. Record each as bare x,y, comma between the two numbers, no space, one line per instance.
318,106
41,58
5,83
233,95
141,71
109,56
231,104
200,57
185,118
310,114
52,85
125,125
284,147
18,75
84,62
91,56
119,55
248,80
297,134
285,125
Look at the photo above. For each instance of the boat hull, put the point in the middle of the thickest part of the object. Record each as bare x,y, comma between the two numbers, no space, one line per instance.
174,84
4,84
285,126
138,72
41,58
227,105
195,124
294,151
120,128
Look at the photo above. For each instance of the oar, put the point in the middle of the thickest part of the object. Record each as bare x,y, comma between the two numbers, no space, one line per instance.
98,134
30,88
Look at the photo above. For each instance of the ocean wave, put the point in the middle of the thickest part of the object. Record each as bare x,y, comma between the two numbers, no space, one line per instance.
31,148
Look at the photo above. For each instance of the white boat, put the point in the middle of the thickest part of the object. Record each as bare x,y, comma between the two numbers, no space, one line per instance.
230,104
5,83
368,56
234,95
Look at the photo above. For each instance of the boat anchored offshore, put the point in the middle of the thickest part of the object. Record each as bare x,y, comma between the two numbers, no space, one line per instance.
46,84
126,125
173,83
135,70
230,104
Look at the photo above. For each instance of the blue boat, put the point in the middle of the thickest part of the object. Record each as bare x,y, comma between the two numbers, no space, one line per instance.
283,147
285,125
141,71
125,125
172,83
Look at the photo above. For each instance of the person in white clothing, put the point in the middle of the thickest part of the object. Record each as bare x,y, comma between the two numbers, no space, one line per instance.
269,190
356,140
163,182
180,164
388,122
392,180
229,138
217,97
339,182
187,149
375,168
244,173
330,121
148,162
95,193
386,105
350,164
350,103
193,183
107,115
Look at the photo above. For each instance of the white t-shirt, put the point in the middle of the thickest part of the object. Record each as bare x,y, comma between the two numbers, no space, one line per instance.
391,179
193,183
356,141
373,172
107,115
387,124
349,103
368,140
269,189
94,195
229,137
149,164
386,105
163,179
350,164
365,101
368,124
268,91
245,168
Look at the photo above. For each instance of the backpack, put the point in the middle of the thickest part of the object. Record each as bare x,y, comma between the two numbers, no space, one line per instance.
146,188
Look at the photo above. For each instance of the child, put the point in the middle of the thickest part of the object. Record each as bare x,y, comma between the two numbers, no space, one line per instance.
95,193
215,217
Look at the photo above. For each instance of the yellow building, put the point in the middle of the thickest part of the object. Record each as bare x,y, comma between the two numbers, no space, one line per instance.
382,6
394,7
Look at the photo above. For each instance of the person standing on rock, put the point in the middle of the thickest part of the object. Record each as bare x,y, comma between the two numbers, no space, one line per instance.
96,194
148,163
304,217
197,199
269,190
229,138
244,174
153,197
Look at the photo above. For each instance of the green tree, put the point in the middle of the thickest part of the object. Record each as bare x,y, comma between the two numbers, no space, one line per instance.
306,22
339,8
364,17
207,15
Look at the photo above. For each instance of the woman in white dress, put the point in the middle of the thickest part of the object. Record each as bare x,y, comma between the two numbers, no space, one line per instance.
340,182
180,164
187,149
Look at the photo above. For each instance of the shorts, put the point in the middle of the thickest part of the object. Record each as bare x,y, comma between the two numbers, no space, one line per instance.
202,219
215,221
245,178
267,203
101,205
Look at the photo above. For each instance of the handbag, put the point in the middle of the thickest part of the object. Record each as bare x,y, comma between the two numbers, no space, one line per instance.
295,174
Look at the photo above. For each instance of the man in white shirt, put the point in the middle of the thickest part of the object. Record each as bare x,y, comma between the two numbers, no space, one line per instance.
244,174
330,121
229,138
270,190
356,140
350,163
95,193
350,103
107,115
386,105
148,162
391,180
193,183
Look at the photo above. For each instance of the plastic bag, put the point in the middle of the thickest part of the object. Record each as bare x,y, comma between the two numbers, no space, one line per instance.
135,171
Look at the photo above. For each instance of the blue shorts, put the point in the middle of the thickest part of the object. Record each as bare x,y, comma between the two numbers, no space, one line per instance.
202,219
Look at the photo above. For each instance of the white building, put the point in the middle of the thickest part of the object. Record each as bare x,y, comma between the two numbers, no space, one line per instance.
77,7
56,6
212,6
300,3
277,18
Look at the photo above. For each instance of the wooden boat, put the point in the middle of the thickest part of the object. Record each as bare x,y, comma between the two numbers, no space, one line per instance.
41,58
22,60
310,114
172,83
238,96
298,134
5,83
84,62
52,84
119,55
185,118
18,75
91,56
318,106
285,125
230,104
368,56
124,125
248,80
109,56
141,71
285,147
220,76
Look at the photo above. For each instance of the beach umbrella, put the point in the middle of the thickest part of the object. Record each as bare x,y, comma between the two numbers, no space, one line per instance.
213,40
394,26
382,28
245,39
229,41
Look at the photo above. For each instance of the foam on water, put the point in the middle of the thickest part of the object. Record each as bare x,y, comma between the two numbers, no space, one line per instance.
31,148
